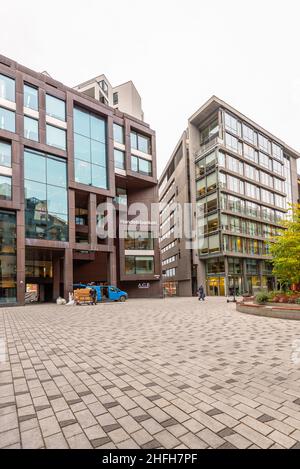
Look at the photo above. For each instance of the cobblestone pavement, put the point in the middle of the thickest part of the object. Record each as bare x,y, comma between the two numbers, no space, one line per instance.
170,373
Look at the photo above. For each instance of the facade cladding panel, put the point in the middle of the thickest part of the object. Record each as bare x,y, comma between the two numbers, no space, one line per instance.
240,180
57,148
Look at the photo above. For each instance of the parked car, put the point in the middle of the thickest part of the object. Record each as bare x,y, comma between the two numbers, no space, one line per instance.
105,292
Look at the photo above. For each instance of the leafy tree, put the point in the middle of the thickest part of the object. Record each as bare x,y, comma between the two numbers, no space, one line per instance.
285,249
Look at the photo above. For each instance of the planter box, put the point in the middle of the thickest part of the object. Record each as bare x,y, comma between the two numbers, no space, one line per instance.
274,310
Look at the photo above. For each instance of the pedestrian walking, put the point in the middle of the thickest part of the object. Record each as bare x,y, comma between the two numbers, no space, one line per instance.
201,293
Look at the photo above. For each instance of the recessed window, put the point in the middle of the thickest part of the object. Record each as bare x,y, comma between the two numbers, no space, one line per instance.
8,259
139,265
55,107
140,165
31,100
5,154
118,133
31,128
119,157
90,149
7,120
56,137
115,98
5,188
140,142
7,88
138,240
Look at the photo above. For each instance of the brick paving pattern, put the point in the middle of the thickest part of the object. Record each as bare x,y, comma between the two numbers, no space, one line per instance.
169,373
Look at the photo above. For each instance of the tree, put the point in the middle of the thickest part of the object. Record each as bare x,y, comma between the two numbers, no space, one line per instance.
285,249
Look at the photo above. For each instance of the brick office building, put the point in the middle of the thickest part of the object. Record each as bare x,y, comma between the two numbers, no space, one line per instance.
62,153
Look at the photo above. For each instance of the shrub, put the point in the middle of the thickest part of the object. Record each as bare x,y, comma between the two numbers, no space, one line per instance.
297,301
262,298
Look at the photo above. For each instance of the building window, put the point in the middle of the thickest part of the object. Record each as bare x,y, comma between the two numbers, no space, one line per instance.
264,144
121,196
265,161
7,88
5,188
119,157
5,154
277,151
31,128
140,165
210,131
139,265
251,172
234,144
115,98
140,142
170,272
139,240
232,124
8,260
46,196
90,149
277,167
249,135
7,120
119,133
234,165
31,100
56,137
235,185
56,108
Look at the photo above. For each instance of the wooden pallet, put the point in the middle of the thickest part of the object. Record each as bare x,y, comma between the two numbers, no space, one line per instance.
83,296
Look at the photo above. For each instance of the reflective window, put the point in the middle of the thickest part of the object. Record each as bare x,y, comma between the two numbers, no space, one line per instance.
251,172
234,144
249,135
139,265
138,240
266,179
8,260
5,188
210,131
90,149
119,157
118,133
55,107
141,166
277,168
277,151
5,154
7,120
250,153
140,142
7,88
234,165
234,184
56,137
31,128
46,196
31,97
232,124
264,143
265,161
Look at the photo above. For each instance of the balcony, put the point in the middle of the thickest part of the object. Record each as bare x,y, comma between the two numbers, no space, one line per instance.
207,146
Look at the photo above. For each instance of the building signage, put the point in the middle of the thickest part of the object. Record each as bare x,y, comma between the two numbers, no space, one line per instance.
144,285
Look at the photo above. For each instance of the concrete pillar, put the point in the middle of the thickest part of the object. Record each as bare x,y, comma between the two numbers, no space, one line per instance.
112,267
92,204
201,275
245,282
56,277
21,282
226,275
68,272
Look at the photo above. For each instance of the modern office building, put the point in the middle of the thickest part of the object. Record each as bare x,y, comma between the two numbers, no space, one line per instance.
240,180
62,153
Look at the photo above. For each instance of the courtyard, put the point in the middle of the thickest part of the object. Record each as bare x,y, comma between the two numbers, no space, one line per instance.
169,373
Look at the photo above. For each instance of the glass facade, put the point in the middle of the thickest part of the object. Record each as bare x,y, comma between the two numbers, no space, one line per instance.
241,225
90,151
140,142
119,133
138,240
8,259
140,165
139,265
46,196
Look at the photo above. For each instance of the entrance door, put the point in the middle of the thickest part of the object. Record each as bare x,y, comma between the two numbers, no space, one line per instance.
216,286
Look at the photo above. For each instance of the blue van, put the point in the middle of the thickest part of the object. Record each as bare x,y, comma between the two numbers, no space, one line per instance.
105,292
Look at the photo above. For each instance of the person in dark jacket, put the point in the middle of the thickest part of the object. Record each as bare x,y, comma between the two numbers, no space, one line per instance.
201,293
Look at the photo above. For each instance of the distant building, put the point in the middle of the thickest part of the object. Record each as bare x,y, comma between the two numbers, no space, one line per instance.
239,179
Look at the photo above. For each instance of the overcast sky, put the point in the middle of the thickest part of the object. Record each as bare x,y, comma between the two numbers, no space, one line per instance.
177,52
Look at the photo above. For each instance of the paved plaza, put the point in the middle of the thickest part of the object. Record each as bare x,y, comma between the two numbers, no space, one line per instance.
172,373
